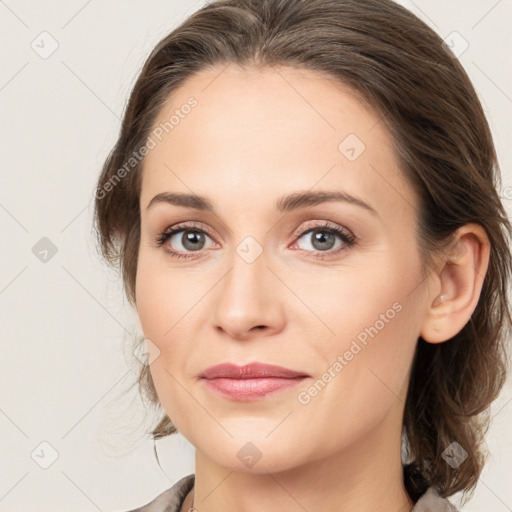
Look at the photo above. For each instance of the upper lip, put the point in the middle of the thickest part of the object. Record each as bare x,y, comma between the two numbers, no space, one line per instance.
250,371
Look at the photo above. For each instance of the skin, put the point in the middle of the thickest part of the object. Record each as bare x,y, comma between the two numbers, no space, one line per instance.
256,135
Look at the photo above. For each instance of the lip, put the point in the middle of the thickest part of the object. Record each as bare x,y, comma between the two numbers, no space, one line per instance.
253,381
250,371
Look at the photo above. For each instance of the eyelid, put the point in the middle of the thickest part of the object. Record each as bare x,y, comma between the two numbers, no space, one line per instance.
314,224
162,236
300,231
191,225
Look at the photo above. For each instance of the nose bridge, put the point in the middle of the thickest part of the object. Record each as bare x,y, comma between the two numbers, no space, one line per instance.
248,293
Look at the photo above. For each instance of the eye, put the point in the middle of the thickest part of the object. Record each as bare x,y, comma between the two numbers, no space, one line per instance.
322,238
184,238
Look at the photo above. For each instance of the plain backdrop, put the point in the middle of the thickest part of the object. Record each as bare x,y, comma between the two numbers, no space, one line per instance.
70,439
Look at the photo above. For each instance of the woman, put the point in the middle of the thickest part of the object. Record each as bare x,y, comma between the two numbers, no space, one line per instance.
335,338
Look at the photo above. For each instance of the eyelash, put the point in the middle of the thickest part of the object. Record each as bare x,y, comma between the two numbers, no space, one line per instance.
348,239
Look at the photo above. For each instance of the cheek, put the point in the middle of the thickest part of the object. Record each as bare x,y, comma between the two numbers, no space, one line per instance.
373,323
365,368
162,307
171,304
163,296
173,394
151,302
342,304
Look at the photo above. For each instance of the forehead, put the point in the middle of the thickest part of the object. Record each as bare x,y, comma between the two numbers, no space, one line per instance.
254,133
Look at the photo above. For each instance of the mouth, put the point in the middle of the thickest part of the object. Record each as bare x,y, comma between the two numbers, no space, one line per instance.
250,382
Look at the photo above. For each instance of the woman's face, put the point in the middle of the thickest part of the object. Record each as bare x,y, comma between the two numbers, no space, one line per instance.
266,278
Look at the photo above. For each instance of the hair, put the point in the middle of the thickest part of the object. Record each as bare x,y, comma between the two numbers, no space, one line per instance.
396,64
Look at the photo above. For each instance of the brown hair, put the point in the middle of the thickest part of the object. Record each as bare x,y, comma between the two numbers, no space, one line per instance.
401,68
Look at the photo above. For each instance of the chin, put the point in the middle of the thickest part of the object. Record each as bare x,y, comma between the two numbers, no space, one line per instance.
255,456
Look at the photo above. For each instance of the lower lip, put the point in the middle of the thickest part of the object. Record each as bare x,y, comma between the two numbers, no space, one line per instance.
250,389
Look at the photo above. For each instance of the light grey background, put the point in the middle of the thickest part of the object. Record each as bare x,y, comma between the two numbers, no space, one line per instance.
65,325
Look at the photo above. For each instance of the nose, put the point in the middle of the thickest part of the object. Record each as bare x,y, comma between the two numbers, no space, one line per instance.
249,300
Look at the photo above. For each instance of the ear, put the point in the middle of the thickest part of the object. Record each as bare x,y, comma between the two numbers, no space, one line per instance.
458,283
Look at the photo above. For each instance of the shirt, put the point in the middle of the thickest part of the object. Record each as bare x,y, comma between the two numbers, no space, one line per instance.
172,499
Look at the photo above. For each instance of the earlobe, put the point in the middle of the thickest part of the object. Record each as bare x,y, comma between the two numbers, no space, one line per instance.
460,279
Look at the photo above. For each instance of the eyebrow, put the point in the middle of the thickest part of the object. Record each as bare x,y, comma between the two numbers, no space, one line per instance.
286,203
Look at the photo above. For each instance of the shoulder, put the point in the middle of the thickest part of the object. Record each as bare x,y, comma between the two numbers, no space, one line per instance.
431,501
171,499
